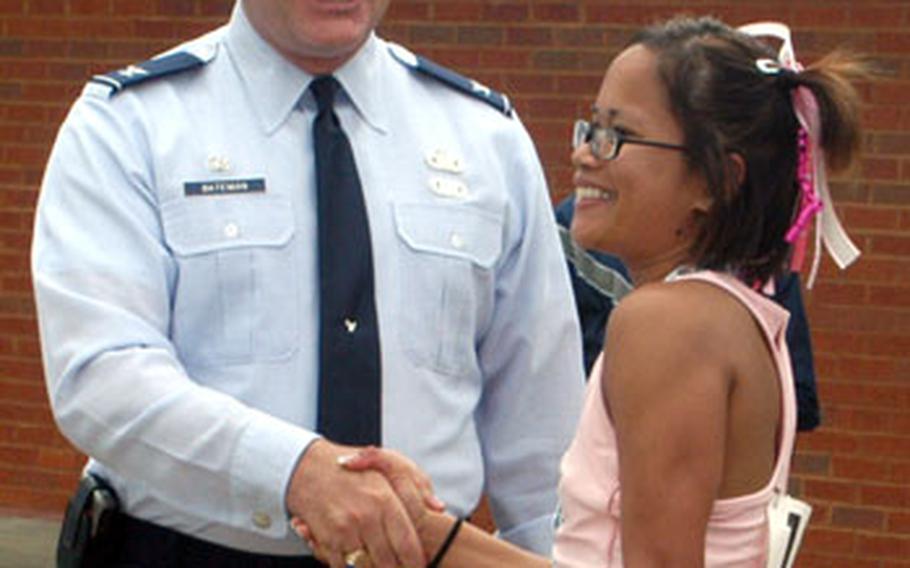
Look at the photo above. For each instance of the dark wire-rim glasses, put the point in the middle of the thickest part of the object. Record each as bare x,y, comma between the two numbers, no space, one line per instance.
606,141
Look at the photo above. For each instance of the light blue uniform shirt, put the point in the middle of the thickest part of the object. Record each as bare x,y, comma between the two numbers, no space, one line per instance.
178,316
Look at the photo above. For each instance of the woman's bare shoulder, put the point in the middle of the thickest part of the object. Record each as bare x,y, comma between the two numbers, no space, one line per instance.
682,312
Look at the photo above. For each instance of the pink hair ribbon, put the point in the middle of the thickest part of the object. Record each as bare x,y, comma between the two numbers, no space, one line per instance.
815,195
810,204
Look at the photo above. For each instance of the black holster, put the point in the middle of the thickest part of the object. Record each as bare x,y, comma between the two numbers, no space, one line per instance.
87,537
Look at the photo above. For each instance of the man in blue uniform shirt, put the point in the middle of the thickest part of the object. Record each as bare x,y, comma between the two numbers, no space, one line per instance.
175,269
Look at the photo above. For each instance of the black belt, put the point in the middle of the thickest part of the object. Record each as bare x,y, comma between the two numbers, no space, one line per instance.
145,544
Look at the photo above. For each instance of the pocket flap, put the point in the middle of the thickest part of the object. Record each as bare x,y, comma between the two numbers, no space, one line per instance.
456,231
198,225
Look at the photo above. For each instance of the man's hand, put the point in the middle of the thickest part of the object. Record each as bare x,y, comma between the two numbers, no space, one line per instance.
349,510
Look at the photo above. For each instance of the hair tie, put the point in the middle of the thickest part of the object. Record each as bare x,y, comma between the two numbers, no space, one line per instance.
788,79
768,66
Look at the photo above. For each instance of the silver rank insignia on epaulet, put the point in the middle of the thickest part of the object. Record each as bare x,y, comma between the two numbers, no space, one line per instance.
468,86
162,66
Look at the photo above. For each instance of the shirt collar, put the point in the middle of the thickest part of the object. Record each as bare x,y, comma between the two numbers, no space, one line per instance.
275,85
272,83
362,78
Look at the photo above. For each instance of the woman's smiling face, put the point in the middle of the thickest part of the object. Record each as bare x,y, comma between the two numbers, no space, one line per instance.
643,205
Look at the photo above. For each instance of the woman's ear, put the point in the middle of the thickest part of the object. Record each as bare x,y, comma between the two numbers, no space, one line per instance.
737,170
737,165
703,204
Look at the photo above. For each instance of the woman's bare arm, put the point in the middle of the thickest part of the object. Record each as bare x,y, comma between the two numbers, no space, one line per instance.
667,385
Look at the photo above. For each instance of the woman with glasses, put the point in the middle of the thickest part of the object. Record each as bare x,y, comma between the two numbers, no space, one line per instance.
702,166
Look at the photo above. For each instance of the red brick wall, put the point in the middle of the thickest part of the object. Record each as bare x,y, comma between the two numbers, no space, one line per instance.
549,57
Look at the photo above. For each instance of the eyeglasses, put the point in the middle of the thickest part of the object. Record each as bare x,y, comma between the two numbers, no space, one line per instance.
606,141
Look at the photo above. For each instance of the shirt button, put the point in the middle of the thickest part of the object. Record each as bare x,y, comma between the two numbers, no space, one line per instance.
231,230
262,520
457,241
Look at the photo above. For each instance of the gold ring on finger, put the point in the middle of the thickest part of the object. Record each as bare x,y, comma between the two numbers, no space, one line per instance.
353,559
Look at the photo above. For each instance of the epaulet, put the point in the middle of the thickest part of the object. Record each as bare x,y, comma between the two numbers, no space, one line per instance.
468,86
155,68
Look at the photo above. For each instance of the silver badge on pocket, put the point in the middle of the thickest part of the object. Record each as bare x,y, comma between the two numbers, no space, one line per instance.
445,161
452,188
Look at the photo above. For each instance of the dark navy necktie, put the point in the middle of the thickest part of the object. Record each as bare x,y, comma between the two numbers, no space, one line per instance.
350,384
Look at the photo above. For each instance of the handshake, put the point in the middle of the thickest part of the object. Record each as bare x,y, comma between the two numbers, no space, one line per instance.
367,507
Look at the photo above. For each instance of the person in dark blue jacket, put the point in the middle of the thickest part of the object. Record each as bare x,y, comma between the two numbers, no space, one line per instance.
599,280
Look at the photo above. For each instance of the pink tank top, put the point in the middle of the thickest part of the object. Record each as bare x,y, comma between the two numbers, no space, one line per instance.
588,531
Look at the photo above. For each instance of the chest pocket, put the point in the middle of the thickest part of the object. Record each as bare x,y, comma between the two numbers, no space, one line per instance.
235,299
446,281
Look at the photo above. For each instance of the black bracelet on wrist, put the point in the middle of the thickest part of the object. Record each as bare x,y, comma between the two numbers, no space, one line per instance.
453,532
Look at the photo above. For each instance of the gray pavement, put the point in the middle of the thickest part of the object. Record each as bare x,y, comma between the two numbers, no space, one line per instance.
27,542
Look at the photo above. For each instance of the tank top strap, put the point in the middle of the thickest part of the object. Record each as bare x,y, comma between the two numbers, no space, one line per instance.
772,320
